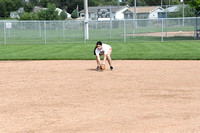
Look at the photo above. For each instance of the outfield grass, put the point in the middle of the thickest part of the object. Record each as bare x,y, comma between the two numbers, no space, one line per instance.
180,50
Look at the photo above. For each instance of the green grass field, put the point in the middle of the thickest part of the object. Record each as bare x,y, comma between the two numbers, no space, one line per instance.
171,50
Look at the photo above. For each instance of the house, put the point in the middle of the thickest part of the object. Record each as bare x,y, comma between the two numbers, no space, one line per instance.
15,14
105,12
143,12
122,12
172,9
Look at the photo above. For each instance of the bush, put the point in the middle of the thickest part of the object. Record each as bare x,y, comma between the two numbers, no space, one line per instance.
63,15
28,16
75,14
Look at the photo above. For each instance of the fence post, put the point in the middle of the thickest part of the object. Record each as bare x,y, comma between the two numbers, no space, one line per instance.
166,27
84,32
96,24
110,29
195,28
40,34
124,30
4,30
162,30
45,34
21,25
63,29
133,28
110,23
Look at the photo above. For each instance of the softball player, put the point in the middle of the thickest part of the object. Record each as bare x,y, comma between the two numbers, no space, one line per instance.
103,49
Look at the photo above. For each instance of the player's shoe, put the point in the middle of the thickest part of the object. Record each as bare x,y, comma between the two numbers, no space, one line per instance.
111,68
97,68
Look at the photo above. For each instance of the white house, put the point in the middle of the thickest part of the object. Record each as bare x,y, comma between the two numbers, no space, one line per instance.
154,13
120,13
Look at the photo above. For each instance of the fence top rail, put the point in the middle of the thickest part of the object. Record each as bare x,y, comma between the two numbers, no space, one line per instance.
41,21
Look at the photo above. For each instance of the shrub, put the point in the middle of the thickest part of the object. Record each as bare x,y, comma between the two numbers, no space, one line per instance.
75,14
63,15
28,16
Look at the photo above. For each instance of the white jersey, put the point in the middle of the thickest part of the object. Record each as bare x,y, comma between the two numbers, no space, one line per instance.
104,50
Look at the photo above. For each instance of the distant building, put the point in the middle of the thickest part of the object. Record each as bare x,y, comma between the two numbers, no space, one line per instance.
103,12
27,1
15,14
143,12
122,12
163,14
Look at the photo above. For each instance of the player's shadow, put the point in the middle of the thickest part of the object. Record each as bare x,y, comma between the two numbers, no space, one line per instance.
92,69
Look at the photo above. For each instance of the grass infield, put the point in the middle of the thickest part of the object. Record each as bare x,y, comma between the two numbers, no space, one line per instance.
176,50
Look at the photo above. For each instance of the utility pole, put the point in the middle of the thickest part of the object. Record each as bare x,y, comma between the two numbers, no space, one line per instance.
161,3
135,15
86,19
183,11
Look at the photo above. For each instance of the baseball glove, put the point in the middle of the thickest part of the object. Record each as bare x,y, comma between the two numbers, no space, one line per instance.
102,67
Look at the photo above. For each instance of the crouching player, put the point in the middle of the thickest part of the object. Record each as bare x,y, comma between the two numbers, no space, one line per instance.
103,49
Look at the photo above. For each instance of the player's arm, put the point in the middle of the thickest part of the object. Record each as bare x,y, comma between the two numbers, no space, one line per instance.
105,55
104,59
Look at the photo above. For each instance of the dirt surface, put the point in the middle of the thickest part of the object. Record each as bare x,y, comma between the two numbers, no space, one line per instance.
166,34
71,97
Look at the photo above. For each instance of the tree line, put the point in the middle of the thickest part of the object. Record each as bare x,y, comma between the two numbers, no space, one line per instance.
70,6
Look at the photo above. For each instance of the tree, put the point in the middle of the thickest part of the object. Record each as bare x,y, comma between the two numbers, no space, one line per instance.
48,14
17,4
28,7
34,2
110,2
9,7
44,3
138,2
188,12
195,4
175,2
2,8
75,14
72,4
63,15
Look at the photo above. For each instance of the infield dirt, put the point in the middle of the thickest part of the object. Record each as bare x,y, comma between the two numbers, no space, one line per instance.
71,97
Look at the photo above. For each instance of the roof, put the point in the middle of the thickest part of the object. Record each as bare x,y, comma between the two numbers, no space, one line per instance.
172,9
95,9
144,9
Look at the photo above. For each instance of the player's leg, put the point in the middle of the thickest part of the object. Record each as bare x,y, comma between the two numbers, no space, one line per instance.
98,62
109,59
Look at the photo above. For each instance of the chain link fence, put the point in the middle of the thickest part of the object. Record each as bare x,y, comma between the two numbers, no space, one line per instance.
72,31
